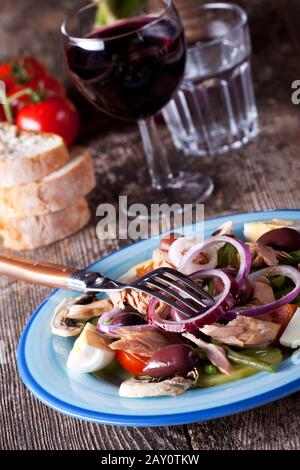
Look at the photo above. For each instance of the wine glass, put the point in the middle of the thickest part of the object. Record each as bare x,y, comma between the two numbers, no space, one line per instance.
129,64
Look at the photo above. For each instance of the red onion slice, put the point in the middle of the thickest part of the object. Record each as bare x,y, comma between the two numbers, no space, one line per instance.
223,302
278,270
182,245
105,322
242,249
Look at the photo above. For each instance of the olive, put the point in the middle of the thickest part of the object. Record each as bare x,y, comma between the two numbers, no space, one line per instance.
286,239
171,360
167,241
128,319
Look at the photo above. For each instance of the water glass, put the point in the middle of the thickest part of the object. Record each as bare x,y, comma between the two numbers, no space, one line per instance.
214,110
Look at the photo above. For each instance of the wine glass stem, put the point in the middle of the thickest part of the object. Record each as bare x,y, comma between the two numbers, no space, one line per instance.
158,165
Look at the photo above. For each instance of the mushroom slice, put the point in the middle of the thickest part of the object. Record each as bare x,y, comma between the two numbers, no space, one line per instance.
84,312
144,387
71,315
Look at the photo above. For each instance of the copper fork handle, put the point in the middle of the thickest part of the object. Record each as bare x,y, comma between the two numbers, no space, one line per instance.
36,272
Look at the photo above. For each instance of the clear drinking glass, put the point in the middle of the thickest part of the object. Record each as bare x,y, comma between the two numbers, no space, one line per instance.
215,109
130,67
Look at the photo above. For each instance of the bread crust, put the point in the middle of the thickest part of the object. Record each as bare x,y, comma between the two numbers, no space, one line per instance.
24,170
52,193
28,233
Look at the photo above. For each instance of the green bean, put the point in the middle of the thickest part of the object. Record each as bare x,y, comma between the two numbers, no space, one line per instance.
269,355
256,352
242,359
239,372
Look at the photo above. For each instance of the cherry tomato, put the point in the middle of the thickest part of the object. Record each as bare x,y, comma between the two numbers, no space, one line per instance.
33,67
134,364
6,75
41,88
54,114
47,86
21,70
20,101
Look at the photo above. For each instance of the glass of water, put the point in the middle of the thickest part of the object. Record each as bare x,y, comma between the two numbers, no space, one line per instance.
214,110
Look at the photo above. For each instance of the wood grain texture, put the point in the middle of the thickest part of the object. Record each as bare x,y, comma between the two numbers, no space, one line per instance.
263,175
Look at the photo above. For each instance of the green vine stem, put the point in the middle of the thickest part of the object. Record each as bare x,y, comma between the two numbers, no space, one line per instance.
6,105
7,101
19,94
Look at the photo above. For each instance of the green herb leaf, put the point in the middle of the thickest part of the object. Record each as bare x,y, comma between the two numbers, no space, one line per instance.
228,256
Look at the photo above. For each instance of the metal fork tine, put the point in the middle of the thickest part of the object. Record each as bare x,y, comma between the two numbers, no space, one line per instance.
165,289
189,282
181,288
163,298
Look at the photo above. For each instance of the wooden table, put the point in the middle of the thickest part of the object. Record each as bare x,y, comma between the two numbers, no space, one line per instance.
263,175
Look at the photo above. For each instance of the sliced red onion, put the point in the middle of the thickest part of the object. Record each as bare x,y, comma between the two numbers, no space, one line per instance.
278,270
105,323
179,247
242,249
223,302
182,245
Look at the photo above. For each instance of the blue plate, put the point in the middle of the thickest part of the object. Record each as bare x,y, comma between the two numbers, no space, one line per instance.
42,362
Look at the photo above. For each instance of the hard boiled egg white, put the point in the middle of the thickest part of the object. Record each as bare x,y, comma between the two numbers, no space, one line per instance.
90,352
291,335
254,230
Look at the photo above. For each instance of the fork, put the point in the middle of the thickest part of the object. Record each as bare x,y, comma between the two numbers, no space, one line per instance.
166,284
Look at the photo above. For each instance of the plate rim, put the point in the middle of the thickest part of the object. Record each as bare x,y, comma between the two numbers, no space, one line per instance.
148,420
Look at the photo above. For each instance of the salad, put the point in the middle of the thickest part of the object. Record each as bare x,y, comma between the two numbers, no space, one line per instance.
153,350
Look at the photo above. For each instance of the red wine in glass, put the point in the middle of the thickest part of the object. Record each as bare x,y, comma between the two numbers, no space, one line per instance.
136,73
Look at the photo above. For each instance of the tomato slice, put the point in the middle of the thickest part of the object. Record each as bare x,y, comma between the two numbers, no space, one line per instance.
134,364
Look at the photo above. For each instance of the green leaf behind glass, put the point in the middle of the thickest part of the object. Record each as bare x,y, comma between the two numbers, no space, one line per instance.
108,12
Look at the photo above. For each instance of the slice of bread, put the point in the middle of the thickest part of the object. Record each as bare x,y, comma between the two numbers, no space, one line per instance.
28,156
52,193
28,233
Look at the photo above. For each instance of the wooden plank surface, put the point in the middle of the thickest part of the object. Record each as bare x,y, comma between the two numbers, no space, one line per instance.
264,175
